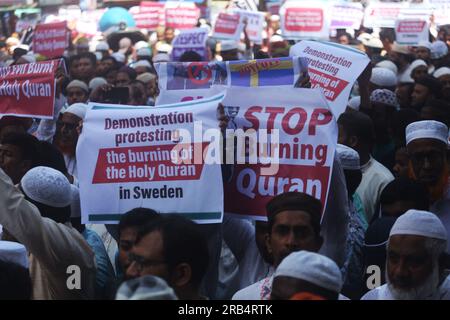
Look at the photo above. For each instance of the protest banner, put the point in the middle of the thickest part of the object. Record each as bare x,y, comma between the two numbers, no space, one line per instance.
180,15
28,90
346,15
441,11
176,96
382,14
332,67
304,20
228,26
255,24
411,31
190,40
273,6
149,15
162,158
51,39
291,136
248,5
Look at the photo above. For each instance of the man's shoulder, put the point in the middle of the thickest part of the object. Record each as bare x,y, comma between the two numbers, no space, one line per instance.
252,292
374,294
376,169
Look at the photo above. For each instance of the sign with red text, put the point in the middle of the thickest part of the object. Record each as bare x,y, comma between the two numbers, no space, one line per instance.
149,15
305,20
190,40
291,137
181,15
346,15
228,26
333,68
51,39
165,158
411,31
28,90
382,14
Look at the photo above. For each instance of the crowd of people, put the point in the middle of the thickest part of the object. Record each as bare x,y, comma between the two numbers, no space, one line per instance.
389,193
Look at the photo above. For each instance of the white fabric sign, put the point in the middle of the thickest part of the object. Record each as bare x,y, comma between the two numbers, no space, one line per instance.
411,31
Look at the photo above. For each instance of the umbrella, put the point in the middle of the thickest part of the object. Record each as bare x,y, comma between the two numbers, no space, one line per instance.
114,17
134,34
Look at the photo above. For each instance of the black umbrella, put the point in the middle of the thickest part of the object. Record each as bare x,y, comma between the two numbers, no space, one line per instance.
133,34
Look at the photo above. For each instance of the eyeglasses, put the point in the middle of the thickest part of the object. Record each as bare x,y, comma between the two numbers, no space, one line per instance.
142,263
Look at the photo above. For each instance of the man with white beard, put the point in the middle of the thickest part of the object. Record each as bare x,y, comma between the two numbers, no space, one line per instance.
415,260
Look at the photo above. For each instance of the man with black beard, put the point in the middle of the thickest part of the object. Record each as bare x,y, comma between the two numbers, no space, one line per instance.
415,260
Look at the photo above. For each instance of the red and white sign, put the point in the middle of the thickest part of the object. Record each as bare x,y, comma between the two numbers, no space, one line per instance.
411,31
182,17
346,15
333,68
300,20
28,90
291,147
382,14
228,26
51,39
149,15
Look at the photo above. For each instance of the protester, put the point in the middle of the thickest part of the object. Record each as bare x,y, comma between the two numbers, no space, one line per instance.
77,92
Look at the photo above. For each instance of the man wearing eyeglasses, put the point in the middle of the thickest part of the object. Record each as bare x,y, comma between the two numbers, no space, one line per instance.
174,249
427,143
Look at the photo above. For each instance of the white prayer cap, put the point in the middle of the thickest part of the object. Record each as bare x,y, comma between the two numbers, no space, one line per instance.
348,157
417,63
141,63
102,46
140,45
14,252
96,82
146,77
425,44
387,64
29,57
98,55
400,48
78,84
364,37
438,50
119,56
145,288
444,71
144,52
75,207
386,97
427,129
373,42
276,38
354,103
78,109
228,45
406,76
312,267
163,47
47,186
419,223
125,43
383,77
274,18
161,57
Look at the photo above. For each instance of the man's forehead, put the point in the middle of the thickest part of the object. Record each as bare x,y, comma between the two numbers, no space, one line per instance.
407,243
425,144
293,217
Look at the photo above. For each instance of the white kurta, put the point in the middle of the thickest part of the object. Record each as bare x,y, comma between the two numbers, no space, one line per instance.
442,209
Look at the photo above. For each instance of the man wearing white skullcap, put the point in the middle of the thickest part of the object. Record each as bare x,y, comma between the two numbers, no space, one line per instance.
415,261
145,288
382,78
418,69
387,64
119,57
77,92
354,103
103,48
143,53
96,82
439,54
427,142
142,66
443,75
306,272
423,52
38,217
402,57
161,57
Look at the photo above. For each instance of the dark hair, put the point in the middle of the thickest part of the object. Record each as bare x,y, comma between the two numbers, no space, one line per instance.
404,189
183,242
28,145
130,71
72,59
387,34
52,157
400,120
114,66
89,55
433,85
262,55
440,110
190,56
136,218
15,282
295,201
60,215
358,124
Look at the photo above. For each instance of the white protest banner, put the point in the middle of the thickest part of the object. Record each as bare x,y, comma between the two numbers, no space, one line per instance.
291,136
190,40
176,96
441,11
305,20
346,15
149,15
411,31
382,14
228,26
255,24
181,15
332,67
166,158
